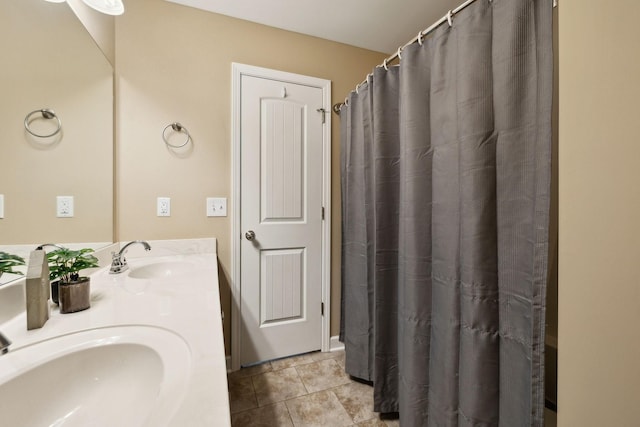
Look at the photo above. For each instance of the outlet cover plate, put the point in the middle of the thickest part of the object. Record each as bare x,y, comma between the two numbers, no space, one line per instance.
164,206
1,206
64,206
216,206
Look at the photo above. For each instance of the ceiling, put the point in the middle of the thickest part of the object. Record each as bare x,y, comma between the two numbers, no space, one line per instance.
379,25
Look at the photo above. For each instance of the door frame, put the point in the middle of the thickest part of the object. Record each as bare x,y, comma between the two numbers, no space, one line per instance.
239,70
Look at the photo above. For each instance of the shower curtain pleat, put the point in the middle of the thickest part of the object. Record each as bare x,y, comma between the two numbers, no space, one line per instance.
386,166
445,203
357,243
415,248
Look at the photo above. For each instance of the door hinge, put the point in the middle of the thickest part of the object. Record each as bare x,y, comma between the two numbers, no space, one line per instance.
323,213
323,111
322,309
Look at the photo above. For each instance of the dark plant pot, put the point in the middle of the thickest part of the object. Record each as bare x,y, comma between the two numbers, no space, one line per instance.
75,296
54,292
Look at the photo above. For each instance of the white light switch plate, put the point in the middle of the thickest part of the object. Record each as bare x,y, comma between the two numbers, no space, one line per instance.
1,206
216,206
164,206
64,206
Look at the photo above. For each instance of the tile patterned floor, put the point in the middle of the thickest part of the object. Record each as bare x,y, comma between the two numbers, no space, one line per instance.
308,390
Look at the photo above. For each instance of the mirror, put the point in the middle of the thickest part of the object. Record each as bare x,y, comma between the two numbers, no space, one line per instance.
52,62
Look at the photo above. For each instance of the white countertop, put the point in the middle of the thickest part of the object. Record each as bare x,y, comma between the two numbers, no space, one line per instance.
187,304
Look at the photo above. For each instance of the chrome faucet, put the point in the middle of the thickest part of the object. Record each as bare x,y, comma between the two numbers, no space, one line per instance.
44,245
4,344
119,262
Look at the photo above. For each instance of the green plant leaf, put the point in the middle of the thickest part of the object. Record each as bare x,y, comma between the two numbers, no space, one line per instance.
65,264
9,261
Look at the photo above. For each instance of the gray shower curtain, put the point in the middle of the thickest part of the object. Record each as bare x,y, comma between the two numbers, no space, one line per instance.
445,215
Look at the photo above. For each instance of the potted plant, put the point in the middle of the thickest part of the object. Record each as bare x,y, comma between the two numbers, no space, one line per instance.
53,276
74,290
8,262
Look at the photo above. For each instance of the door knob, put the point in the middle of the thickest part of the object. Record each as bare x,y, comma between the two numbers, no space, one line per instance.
250,235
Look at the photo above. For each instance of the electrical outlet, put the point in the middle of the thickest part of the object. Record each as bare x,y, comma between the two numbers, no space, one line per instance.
64,206
164,206
1,206
216,206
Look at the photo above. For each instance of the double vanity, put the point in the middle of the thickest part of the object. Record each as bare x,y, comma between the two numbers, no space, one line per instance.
149,351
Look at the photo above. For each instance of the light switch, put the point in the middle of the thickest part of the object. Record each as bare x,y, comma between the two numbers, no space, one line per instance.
1,206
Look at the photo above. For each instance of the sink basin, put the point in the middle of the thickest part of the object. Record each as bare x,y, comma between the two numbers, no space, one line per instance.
11,301
161,269
114,376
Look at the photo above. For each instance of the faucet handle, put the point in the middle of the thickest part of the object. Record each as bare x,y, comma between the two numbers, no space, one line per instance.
116,259
118,263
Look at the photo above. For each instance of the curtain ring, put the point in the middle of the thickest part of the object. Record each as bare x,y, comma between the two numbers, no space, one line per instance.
450,19
399,53
384,64
420,38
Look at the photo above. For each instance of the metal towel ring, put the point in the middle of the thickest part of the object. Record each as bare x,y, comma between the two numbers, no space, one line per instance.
47,114
177,127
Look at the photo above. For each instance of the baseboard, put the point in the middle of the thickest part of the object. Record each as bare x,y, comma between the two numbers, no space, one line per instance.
335,344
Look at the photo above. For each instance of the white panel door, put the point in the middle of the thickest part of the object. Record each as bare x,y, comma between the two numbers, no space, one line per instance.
281,218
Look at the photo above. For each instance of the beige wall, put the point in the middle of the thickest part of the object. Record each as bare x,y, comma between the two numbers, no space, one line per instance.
49,61
102,27
173,63
599,241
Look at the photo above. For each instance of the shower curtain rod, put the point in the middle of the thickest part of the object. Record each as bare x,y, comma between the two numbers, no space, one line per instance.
398,54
